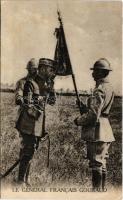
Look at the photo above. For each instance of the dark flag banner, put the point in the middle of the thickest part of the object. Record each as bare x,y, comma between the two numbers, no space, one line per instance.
62,59
63,64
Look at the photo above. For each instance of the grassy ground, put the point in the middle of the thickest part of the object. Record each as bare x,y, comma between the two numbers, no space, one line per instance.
67,151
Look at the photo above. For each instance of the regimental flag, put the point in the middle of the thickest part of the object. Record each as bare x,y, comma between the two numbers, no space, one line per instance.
63,64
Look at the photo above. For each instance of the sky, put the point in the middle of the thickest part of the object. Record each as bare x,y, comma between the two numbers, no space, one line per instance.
93,30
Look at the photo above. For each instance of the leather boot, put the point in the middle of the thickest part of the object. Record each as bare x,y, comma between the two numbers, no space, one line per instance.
23,168
27,175
96,179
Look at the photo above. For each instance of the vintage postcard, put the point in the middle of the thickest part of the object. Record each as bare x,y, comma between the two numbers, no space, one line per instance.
61,99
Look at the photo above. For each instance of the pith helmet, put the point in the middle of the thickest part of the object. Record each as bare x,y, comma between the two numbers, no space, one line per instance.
46,62
33,63
102,63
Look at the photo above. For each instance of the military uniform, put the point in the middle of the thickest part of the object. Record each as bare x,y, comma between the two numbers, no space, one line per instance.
29,119
25,122
32,92
96,129
29,122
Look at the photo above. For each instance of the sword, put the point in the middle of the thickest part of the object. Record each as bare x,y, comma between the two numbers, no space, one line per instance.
10,169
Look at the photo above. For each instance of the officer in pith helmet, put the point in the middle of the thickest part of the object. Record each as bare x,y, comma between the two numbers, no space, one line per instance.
96,129
29,122
102,64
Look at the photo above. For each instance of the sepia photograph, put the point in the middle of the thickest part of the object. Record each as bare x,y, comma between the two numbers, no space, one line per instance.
61,99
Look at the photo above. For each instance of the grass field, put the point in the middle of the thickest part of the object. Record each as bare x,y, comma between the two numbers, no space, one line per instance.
67,151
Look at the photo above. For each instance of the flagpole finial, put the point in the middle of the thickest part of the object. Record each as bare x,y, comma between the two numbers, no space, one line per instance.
59,16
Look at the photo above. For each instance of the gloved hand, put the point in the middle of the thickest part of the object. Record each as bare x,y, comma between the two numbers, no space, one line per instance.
83,107
41,99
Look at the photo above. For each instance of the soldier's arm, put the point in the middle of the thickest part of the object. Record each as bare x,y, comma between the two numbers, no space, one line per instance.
19,93
92,108
96,102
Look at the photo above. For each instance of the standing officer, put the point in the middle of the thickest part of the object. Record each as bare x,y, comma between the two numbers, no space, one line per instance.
96,129
29,121
32,93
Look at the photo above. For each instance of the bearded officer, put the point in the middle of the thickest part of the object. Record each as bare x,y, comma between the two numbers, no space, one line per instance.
30,116
45,79
96,129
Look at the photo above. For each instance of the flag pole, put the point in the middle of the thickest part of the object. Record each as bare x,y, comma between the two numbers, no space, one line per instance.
73,76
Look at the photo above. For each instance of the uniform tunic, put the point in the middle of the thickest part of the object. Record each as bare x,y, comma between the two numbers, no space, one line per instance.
25,123
99,104
99,137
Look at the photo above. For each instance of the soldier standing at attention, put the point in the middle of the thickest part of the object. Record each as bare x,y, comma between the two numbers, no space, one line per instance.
96,129
30,116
